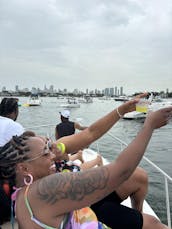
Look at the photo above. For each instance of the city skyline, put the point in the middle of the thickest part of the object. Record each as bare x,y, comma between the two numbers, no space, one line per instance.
109,91
86,44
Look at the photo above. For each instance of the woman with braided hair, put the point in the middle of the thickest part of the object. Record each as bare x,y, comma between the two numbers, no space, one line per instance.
52,201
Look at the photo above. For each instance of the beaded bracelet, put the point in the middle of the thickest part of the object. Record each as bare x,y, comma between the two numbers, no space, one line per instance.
120,115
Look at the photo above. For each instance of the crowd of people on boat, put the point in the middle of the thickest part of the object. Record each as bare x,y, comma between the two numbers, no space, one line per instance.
44,193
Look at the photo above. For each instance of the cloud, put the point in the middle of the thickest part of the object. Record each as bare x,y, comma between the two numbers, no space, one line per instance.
86,44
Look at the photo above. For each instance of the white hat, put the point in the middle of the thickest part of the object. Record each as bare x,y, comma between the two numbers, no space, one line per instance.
65,113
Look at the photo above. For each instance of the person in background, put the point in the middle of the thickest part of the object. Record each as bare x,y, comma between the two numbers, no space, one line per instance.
8,128
66,127
8,116
56,201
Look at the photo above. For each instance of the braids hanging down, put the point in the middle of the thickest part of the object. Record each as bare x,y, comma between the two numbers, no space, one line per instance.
15,151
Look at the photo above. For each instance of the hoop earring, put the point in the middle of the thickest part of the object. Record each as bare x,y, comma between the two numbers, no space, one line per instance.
30,178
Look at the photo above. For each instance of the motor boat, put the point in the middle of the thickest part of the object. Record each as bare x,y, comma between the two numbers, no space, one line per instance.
34,100
86,99
135,115
71,103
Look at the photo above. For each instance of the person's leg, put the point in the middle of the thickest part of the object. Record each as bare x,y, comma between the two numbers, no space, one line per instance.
136,187
77,156
90,164
150,222
115,215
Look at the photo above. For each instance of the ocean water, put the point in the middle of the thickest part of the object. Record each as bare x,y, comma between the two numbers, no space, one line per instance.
43,119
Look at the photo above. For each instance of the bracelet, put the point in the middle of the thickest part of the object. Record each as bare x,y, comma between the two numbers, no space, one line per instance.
120,115
60,146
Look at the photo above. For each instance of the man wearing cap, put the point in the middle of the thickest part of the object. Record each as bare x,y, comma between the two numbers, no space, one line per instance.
66,127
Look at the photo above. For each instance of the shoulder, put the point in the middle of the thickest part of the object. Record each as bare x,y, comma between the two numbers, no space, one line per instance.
15,128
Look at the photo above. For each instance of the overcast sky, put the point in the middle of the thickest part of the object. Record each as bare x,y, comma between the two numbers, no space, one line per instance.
86,44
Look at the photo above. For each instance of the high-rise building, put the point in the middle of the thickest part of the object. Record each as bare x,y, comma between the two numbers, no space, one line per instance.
111,91
116,91
121,90
16,88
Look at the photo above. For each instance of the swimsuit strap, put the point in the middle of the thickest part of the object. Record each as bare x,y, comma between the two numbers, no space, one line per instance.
31,213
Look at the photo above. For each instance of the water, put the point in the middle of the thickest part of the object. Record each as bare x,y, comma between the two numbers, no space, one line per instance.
159,149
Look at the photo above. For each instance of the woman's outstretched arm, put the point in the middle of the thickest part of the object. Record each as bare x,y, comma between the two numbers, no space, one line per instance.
66,192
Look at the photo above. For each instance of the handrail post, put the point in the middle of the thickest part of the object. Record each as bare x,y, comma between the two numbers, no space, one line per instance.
167,202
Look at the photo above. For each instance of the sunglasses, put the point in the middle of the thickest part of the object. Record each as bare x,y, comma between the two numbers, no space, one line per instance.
45,152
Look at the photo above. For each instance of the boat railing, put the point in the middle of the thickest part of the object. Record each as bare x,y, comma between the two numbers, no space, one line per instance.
166,177
123,144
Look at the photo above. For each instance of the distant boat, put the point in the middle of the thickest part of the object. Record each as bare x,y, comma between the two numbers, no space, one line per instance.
86,99
34,100
121,98
157,99
135,115
71,103
105,98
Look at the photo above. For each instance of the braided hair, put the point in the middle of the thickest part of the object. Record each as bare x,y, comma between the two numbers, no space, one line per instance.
8,105
15,151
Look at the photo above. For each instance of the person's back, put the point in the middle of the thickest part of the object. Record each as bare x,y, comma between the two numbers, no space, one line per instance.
8,128
66,127
8,116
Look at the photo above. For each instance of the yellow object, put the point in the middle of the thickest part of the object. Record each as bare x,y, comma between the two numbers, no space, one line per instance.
142,108
65,170
25,105
61,147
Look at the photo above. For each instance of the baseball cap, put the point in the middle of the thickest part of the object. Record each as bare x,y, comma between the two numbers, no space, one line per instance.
65,113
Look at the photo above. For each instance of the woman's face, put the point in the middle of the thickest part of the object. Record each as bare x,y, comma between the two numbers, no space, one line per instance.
41,159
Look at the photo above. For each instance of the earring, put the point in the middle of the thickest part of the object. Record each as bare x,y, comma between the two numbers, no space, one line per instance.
28,181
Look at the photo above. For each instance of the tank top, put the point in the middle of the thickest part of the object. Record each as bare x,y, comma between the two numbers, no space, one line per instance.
65,128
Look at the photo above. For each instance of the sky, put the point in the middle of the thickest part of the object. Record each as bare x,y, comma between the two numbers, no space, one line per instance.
86,44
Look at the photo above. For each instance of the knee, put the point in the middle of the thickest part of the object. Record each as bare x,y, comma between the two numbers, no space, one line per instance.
142,176
79,153
151,222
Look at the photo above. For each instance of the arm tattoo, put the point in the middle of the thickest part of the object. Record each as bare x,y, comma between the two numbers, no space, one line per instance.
73,186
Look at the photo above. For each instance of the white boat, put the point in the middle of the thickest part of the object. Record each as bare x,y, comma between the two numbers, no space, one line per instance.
152,107
121,98
157,99
34,100
86,99
71,103
134,115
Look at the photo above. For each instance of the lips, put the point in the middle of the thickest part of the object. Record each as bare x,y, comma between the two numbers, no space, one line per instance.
52,168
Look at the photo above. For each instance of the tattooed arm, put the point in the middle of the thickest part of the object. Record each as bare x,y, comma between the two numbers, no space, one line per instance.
68,191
